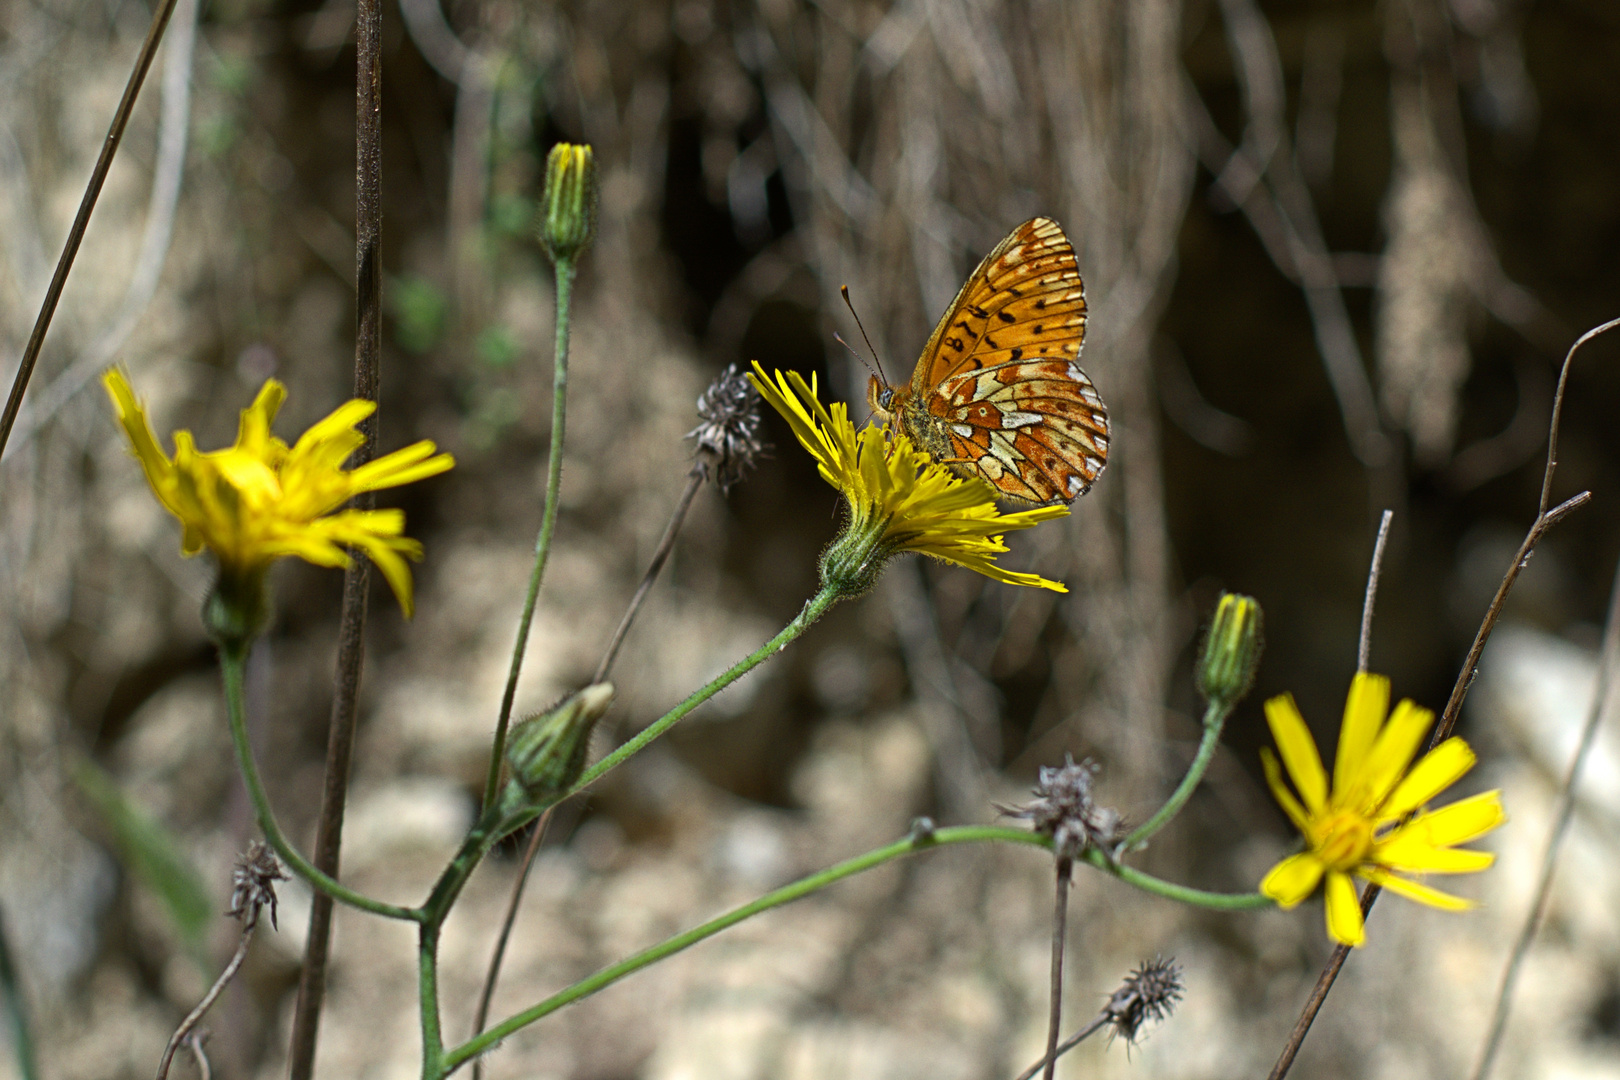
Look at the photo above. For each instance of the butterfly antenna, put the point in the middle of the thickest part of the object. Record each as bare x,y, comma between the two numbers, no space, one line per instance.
882,378
858,357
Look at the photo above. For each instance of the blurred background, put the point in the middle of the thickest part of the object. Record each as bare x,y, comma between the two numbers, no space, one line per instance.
1334,253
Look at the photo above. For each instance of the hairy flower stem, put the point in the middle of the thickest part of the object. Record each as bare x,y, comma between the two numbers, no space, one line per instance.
232,663
457,1056
565,268
813,610
1215,714
1060,925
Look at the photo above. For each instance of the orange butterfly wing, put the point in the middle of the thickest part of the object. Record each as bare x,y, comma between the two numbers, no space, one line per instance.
999,378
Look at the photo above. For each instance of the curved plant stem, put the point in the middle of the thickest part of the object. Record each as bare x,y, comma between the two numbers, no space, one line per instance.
564,268
1215,715
232,660
813,610
195,1016
457,1056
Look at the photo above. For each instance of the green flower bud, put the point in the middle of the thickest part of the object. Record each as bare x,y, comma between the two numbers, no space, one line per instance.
1231,651
853,562
568,203
547,751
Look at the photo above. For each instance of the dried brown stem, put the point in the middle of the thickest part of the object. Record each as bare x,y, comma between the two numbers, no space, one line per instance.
1364,652
249,924
1609,663
665,546
499,955
1060,921
1068,1044
351,630
1545,518
81,220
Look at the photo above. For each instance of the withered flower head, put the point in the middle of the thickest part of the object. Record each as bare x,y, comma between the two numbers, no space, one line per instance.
253,883
728,440
1148,993
1065,810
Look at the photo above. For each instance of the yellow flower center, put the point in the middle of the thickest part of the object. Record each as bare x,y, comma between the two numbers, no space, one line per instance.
1342,840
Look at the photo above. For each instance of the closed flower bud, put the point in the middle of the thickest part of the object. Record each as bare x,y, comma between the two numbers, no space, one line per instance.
568,203
1231,651
547,751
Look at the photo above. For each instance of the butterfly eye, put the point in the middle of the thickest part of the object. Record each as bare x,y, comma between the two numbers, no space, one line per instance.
885,397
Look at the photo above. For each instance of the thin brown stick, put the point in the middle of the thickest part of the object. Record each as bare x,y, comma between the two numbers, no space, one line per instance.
1545,519
1609,663
81,220
1068,1044
498,956
1364,651
1060,922
248,926
665,546
194,1043
356,578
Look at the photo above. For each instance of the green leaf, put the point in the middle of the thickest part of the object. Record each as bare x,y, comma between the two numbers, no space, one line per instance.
152,854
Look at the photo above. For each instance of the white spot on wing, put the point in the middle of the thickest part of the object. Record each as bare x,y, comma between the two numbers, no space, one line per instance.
1015,419
963,430
1077,484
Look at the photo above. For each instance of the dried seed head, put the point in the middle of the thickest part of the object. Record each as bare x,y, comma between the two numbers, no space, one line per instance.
1148,993
1065,810
728,440
253,883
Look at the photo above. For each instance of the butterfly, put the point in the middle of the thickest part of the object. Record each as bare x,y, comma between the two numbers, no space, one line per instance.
998,392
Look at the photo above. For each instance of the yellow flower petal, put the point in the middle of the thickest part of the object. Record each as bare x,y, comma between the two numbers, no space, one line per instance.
1414,855
1364,710
1397,743
1412,890
1293,879
1279,790
1344,922
1434,772
1298,751
1462,821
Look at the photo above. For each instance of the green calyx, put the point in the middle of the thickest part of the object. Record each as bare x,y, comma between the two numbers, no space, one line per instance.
1231,650
568,201
546,752
852,563
237,608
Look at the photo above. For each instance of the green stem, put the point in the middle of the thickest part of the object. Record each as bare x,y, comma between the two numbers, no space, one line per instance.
232,662
427,981
1215,715
967,834
22,1042
548,522
1214,901
813,610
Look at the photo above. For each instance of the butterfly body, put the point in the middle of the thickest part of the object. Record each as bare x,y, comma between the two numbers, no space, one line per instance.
998,391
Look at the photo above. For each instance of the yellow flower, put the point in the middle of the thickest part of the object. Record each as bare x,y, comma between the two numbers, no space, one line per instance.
259,500
899,498
1357,828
